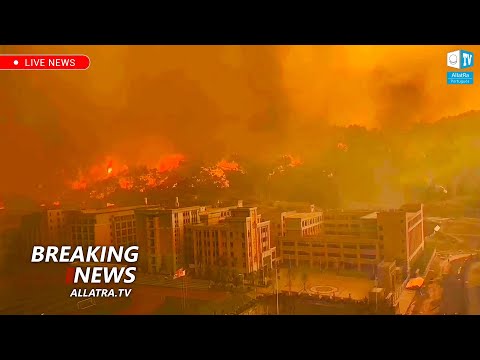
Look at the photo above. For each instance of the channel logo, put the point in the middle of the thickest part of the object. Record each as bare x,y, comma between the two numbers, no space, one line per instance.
460,59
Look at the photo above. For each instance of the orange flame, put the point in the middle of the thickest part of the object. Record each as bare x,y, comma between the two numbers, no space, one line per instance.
56,203
218,172
79,185
226,165
288,161
97,173
292,161
218,176
342,146
125,183
170,162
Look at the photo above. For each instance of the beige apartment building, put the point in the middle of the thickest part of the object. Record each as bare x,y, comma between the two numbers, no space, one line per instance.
102,227
161,233
33,230
239,242
48,227
357,240
108,226
56,226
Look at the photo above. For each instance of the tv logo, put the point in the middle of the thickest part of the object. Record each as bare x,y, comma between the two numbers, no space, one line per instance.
460,59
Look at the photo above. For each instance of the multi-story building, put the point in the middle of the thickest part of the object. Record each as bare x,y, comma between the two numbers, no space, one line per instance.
238,242
102,227
47,227
357,240
33,230
56,226
161,235
208,216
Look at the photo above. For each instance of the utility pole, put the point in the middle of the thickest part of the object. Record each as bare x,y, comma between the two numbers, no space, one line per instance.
276,282
289,276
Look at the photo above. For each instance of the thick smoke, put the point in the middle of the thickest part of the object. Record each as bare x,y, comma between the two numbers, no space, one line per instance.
140,103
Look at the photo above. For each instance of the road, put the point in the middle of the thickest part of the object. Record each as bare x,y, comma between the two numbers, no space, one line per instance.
454,300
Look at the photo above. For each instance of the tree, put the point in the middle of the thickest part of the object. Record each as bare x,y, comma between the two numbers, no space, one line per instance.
236,280
219,276
304,280
222,269
291,277
208,272
253,278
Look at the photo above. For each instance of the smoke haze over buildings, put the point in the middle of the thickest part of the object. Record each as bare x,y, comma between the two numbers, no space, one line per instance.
140,103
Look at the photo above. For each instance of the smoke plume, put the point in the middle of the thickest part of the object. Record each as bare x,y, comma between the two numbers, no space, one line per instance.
141,103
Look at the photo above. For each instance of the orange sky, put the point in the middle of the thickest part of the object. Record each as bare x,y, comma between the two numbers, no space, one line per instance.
138,102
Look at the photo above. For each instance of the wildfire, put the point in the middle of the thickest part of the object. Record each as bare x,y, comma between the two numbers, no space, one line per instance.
126,183
218,176
218,173
342,147
79,185
226,165
141,178
287,161
170,162
125,179
56,203
2,205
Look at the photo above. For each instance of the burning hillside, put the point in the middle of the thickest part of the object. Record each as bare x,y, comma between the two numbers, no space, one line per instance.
173,173
285,162
102,180
219,173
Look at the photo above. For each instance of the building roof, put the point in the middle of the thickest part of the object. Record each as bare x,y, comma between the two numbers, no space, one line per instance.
113,209
302,215
217,209
152,210
372,215
201,224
